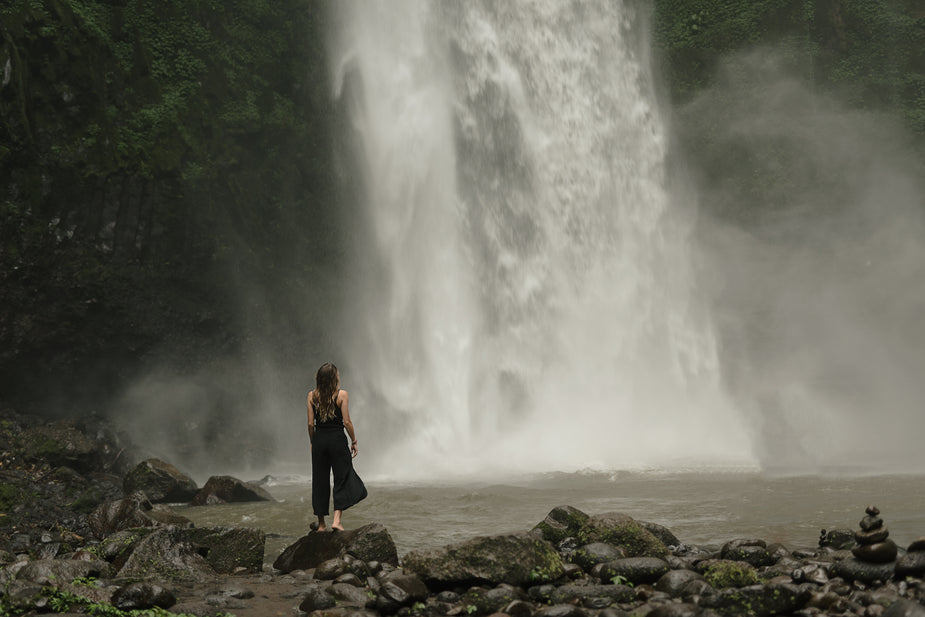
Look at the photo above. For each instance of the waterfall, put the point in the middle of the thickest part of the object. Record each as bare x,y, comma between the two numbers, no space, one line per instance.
524,294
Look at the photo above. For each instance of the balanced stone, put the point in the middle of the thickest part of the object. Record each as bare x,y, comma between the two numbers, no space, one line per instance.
872,510
871,537
880,552
869,523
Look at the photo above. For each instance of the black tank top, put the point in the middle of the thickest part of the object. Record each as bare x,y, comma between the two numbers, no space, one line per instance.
337,421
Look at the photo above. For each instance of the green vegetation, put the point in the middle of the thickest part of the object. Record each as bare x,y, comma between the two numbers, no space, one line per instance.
870,52
724,574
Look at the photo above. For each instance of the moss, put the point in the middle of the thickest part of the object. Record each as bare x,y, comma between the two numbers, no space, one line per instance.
12,496
726,574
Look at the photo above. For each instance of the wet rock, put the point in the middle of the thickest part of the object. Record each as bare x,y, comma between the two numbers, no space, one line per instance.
516,559
62,570
229,550
759,600
636,570
349,594
161,482
852,569
753,552
879,552
587,595
488,601
675,610
127,513
721,573
138,596
560,610
167,554
518,608
317,599
662,533
623,531
904,608
673,581
331,569
368,543
562,522
870,523
226,489
911,564
838,539
590,555
117,547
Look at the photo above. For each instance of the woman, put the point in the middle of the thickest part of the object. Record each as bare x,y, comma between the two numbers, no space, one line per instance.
328,416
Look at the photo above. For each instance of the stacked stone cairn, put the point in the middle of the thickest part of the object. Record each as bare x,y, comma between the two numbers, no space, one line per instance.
874,544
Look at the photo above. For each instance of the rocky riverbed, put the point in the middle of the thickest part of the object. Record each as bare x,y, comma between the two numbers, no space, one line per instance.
85,529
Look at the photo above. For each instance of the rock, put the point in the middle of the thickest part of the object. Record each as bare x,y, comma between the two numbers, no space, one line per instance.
917,545
349,594
662,533
675,610
161,482
488,601
317,599
852,569
560,610
127,513
167,554
117,547
911,564
226,489
590,555
139,596
331,569
721,573
880,552
869,523
753,552
63,443
229,550
673,581
760,600
587,594
904,608
368,543
62,570
516,559
561,522
871,537
837,539
623,531
636,570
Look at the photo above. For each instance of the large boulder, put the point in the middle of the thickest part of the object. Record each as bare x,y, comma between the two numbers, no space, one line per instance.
623,531
368,543
161,482
167,554
132,512
229,550
226,489
119,515
516,559
561,522
63,570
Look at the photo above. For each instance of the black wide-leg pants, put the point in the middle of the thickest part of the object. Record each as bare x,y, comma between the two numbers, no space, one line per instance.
330,452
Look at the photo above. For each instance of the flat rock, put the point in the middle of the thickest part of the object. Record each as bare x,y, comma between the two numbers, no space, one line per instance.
368,543
852,569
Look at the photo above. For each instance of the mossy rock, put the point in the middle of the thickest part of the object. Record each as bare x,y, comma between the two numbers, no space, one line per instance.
562,522
623,531
723,574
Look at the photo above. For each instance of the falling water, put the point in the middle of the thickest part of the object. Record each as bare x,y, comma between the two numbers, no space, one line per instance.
525,296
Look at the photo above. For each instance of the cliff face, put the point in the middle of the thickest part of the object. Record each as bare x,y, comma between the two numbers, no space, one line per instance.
161,160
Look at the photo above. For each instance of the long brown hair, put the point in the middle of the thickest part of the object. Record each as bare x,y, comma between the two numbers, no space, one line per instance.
327,385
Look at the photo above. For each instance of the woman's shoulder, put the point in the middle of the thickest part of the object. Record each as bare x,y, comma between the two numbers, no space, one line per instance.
341,395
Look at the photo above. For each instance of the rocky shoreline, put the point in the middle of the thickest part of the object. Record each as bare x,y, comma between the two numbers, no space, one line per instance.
85,529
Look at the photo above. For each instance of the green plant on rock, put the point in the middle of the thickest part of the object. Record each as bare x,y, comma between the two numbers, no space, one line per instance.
730,574
619,579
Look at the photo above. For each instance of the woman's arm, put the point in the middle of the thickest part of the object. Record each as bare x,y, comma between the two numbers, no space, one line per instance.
311,419
343,398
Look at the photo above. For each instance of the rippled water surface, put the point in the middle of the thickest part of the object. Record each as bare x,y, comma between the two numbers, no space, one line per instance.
700,508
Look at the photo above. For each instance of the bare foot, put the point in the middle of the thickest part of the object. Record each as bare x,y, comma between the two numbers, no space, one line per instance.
337,527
